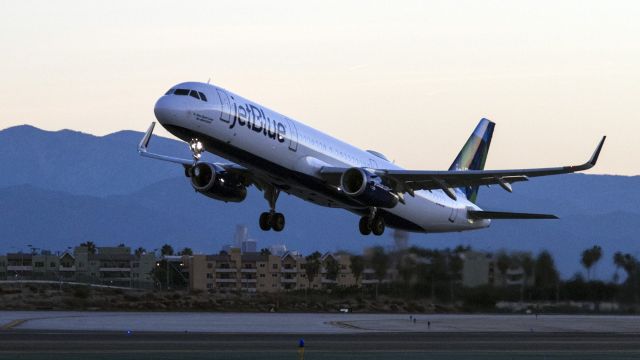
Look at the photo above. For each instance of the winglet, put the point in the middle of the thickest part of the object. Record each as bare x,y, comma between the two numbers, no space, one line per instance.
596,154
142,147
592,161
144,143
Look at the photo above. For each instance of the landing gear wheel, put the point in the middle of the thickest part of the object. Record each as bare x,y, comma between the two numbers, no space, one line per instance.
265,221
277,222
365,229
377,226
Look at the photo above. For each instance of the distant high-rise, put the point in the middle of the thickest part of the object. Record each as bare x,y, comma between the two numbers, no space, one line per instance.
249,246
241,235
278,250
229,248
401,239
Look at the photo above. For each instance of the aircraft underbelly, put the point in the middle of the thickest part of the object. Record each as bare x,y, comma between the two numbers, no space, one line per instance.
419,214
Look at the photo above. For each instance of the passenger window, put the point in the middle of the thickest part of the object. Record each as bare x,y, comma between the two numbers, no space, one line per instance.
169,92
202,96
181,92
194,94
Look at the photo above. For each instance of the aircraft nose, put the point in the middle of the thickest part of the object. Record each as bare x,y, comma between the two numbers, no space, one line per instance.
166,110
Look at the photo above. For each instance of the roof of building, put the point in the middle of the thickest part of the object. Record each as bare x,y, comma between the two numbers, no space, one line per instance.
218,257
19,256
121,257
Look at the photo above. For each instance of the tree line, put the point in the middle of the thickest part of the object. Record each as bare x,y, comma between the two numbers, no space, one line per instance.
438,274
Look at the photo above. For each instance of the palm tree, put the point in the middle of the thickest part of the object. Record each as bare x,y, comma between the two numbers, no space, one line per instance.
455,265
312,266
380,265
525,261
631,268
407,269
546,273
357,266
619,261
589,258
332,267
140,251
90,245
503,262
166,250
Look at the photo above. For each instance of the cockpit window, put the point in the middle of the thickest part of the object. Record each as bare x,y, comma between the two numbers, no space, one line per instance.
196,94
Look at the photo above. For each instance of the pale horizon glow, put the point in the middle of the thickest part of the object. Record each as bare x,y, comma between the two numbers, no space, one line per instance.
410,79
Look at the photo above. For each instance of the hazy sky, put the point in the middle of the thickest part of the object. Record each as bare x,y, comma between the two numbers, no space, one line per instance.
409,79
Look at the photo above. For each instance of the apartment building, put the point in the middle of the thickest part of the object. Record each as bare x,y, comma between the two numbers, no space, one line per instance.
231,271
341,274
235,271
480,268
292,273
106,265
256,272
17,266
3,267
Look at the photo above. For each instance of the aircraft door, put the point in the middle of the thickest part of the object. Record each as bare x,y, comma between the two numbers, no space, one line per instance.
293,138
453,215
225,110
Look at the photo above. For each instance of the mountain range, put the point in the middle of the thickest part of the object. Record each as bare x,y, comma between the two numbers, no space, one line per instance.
58,189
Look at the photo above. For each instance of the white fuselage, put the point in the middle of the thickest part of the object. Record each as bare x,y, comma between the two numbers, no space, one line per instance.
289,154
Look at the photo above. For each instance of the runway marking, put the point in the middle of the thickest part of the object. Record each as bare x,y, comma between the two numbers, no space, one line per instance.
346,325
14,324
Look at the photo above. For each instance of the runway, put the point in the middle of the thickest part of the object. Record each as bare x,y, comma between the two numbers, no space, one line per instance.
121,335
20,344
311,323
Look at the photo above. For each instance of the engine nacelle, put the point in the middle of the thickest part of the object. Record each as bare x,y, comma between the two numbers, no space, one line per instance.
214,182
367,188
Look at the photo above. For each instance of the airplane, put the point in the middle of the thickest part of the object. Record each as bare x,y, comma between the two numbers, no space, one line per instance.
277,154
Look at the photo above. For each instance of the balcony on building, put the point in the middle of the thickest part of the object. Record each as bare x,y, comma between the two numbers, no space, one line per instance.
19,262
369,281
329,281
67,268
249,268
289,268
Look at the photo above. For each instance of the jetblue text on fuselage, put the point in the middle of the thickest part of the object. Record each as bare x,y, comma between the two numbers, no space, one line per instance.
254,118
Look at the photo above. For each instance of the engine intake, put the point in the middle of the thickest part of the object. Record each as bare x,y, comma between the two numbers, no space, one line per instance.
212,181
367,188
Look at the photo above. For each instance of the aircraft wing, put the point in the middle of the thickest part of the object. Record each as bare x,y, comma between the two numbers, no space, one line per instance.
408,181
143,150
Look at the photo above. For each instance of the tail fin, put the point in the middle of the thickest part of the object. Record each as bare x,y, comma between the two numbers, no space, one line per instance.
474,154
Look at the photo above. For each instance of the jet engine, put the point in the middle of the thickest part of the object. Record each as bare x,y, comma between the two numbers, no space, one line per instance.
214,182
367,188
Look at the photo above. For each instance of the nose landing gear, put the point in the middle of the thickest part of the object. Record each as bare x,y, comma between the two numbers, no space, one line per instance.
196,148
372,223
272,219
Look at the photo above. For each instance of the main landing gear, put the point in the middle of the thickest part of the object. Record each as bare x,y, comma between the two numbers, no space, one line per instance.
372,223
272,219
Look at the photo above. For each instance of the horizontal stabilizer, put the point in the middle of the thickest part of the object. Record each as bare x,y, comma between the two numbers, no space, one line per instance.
479,215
